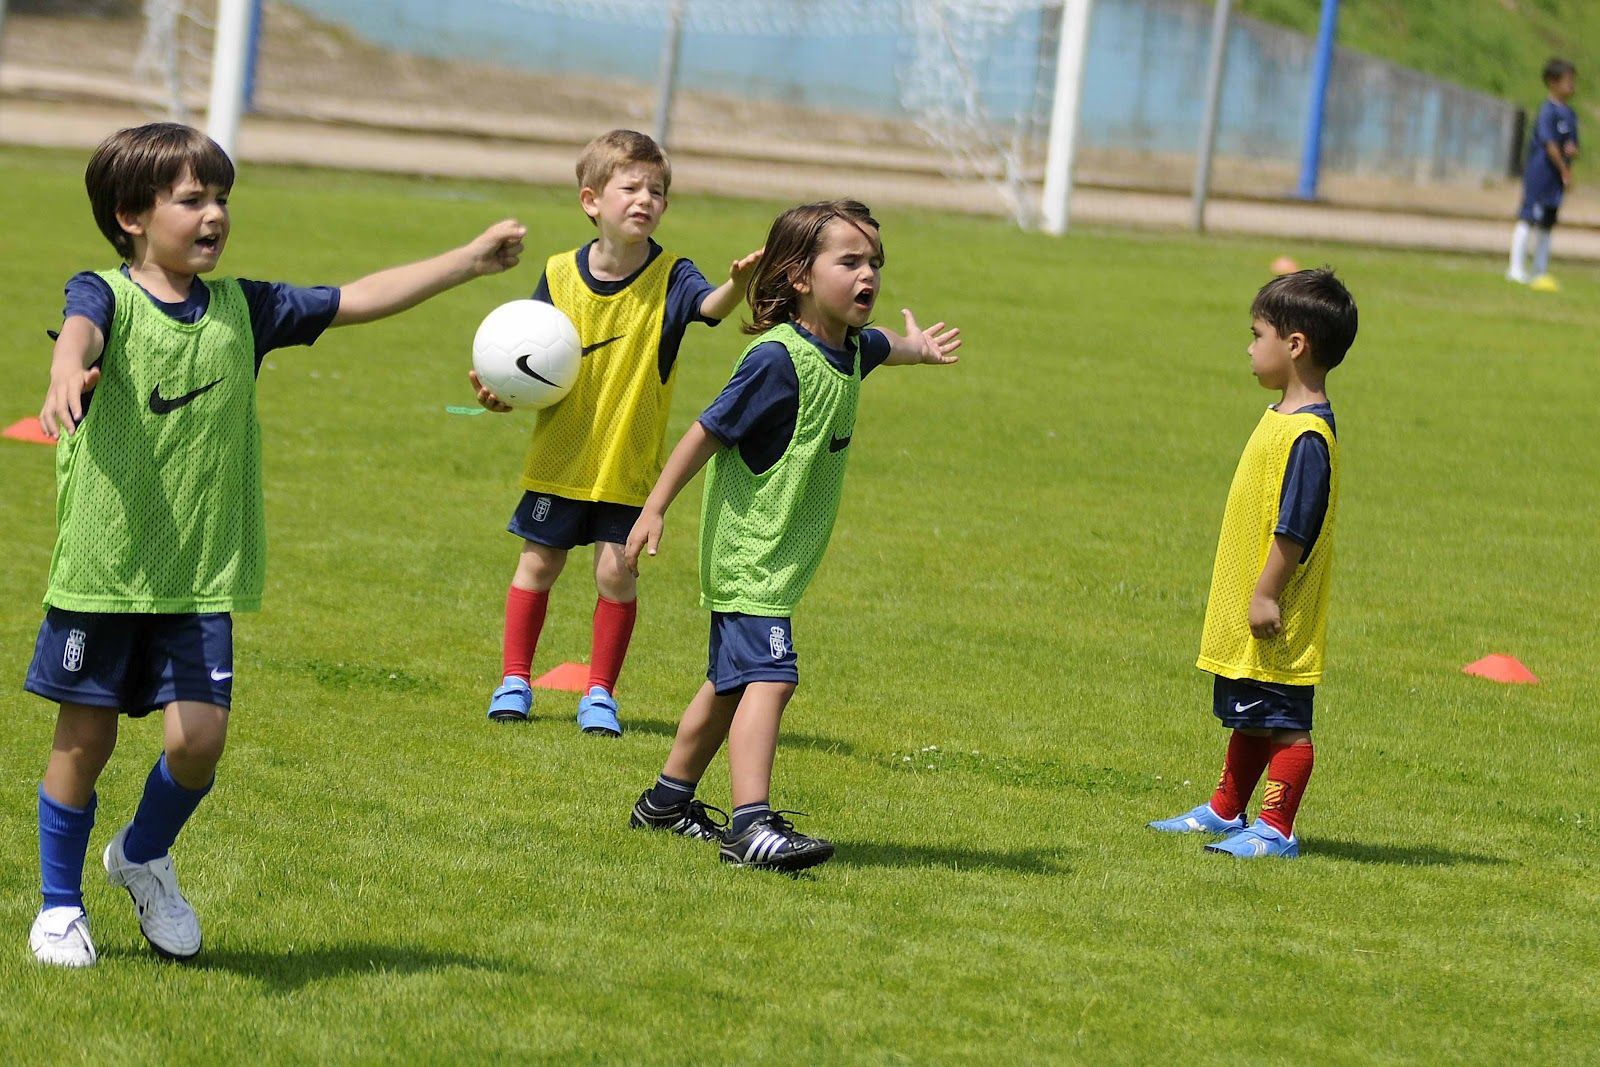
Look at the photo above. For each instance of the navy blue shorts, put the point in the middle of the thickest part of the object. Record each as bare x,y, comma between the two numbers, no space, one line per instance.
559,522
134,663
1539,212
750,648
1244,703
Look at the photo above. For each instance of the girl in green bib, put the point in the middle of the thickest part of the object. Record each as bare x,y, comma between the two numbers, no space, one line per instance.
776,440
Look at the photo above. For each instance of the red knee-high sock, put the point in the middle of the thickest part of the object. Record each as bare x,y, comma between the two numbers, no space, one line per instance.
1287,776
1241,770
613,629
524,620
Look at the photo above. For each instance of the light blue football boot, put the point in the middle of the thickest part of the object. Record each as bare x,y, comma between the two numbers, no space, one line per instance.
1201,820
1257,840
512,702
597,713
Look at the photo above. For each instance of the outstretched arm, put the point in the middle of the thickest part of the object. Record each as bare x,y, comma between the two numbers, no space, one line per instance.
933,345
78,345
693,451
391,291
725,298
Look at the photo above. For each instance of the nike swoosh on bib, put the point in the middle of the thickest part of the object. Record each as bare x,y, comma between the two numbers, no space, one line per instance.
839,444
600,344
160,405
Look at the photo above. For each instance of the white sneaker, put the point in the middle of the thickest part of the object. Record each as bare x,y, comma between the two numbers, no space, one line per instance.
60,937
1520,279
165,918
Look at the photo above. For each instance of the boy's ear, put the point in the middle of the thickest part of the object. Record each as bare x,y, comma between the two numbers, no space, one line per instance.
590,201
130,224
1298,345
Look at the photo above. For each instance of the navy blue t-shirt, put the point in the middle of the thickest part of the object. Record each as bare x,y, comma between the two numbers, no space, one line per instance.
686,289
1303,502
1555,122
758,407
281,315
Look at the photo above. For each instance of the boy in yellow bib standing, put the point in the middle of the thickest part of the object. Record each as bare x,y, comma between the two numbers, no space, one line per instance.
596,454
1267,615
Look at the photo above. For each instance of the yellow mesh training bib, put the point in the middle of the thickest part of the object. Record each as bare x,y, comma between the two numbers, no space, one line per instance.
1227,647
603,440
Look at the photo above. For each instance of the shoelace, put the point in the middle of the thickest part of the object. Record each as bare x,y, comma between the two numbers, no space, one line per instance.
777,821
702,812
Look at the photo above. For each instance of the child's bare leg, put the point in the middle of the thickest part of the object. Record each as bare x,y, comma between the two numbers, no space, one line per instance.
700,734
538,567
753,740
84,740
195,734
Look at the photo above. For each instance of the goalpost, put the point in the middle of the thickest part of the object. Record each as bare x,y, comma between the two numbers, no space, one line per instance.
994,86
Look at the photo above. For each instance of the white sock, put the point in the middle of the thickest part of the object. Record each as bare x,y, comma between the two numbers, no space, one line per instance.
1541,253
1519,251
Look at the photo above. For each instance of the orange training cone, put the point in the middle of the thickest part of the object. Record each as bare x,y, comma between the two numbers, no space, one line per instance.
572,677
1500,668
27,429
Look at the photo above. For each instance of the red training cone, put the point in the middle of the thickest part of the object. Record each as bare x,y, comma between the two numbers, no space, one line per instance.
1501,668
572,677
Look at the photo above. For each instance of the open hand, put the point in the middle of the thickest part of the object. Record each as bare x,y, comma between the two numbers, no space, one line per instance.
485,397
498,248
63,401
936,341
643,538
742,269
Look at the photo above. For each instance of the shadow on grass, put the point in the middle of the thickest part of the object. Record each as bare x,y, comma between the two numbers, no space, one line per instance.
889,854
664,728
1402,855
290,970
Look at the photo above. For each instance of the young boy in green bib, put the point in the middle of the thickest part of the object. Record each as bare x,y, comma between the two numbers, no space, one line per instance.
777,440
160,535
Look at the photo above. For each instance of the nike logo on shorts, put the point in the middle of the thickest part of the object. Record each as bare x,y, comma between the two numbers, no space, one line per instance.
1240,709
160,405
220,676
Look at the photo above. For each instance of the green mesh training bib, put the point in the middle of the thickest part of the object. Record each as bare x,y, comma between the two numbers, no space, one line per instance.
158,493
762,535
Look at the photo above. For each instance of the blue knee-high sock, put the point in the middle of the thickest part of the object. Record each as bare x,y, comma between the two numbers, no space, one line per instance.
163,810
63,843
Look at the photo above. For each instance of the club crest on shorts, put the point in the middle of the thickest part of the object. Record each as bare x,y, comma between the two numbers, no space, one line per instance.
541,509
72,657
778,641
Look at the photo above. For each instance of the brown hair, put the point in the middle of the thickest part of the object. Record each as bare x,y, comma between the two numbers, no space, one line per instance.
131,166
792,247
1314,303
610,152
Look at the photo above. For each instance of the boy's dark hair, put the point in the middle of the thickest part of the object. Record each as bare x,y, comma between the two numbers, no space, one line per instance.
1557,69
791,248
1313,303
131,166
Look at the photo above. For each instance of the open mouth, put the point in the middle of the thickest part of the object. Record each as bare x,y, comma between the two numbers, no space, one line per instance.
864,299
209,244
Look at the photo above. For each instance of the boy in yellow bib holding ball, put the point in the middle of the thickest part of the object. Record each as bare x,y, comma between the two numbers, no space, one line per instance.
596,454
1267,615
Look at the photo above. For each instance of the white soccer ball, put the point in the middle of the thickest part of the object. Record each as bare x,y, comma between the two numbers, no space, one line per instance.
527,353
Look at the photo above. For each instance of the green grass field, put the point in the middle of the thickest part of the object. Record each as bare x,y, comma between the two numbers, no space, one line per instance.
998,686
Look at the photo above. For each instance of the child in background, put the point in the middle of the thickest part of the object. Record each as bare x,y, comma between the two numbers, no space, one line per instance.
160,531
595,455
777,440
1267,616
1551,153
